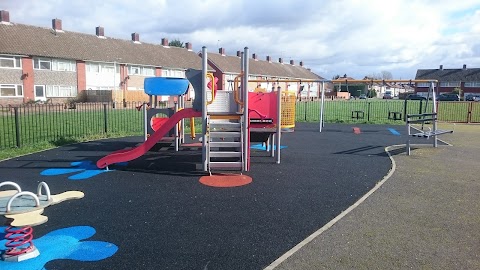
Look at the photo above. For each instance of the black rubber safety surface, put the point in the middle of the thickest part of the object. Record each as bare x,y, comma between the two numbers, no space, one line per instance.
161,217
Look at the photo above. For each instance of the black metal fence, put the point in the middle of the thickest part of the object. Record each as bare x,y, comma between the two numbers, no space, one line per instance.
33,123
384,111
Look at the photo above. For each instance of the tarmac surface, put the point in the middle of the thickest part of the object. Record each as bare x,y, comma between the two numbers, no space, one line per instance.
160,217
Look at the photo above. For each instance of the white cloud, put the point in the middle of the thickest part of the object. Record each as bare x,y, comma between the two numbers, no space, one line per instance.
331,37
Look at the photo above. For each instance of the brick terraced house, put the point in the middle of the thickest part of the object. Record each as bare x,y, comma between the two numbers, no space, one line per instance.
53,64
466,79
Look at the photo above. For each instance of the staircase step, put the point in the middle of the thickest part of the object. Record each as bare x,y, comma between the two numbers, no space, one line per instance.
225,144
225,116
225,154
225,125
226,165
225,134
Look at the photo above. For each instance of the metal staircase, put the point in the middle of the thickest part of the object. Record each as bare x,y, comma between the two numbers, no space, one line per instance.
224,142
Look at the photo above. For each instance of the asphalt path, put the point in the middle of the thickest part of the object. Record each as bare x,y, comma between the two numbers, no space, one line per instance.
160,217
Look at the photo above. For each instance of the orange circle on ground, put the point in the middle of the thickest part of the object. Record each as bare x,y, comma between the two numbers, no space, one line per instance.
225,180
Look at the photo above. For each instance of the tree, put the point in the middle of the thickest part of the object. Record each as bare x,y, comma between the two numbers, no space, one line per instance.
386,75
383,75
176,43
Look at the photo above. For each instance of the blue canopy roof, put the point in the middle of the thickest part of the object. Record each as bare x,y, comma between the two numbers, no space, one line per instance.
162,86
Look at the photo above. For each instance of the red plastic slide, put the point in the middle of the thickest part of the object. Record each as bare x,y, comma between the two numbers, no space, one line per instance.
131,154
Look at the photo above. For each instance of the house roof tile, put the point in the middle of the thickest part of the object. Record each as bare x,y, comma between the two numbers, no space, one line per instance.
231,64
46,42
20,39
464,75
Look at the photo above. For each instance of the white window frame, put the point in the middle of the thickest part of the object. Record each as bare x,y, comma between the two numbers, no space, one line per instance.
472,84
63,65
102,68
37,63
147,71
16,61
173,73
449,84
134,70
18,88
60,91
425,84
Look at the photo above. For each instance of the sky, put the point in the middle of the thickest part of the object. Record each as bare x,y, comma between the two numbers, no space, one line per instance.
353,37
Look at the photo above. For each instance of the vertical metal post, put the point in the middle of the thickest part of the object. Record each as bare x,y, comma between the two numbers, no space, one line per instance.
279,124
321,106
181,101
177,135
105,119
434,111
17,127
204,108
146,120
246,117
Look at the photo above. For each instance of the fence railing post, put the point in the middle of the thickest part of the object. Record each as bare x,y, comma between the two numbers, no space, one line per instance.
105,118
305,110
17,127
368,112
469,112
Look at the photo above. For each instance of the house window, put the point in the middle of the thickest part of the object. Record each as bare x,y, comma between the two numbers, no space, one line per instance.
10,62
134,70
61,91
449,84
11,90
93,67
425,84
141,70
102,68
42,63
173,73
472,84
63,65
149,71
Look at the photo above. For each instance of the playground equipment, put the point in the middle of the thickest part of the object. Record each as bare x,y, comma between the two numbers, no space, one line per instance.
226,116
24,209
423,119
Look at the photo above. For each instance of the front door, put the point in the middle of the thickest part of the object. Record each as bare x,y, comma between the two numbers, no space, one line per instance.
40,93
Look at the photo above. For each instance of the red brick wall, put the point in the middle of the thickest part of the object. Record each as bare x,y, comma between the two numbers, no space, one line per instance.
81,76
158,72
28,80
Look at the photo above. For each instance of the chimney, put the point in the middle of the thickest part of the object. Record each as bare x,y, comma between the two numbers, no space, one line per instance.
464,66
4,17
292,62
255,56
188,46
301,63
239,54
269,59
135,38
100,32
221,51
441,67
57,25
164,42
280,60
